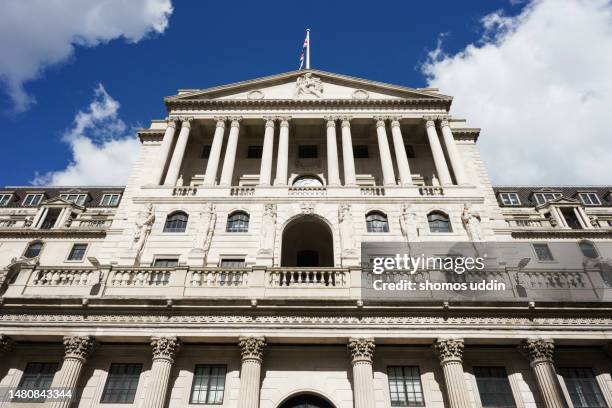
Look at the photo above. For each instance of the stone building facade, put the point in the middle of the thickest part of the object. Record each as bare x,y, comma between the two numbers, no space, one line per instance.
228,270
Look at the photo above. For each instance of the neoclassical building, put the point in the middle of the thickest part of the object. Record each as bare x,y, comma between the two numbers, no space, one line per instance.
228,271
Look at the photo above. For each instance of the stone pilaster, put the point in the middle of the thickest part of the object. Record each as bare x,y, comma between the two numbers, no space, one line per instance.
227,171
179,153
282,160
265,170
251,350
437,152
348,159
77,351
212,165
362,352
164,351
164,152
450,353
333,171
540,352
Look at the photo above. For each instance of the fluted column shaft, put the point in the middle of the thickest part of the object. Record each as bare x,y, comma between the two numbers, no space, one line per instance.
453,154
77,351
164,152
229,161
348,159
437,153
450,353
385,153
164,351
179,153
265,171
333,171
400,154
212,165
362,352
251,349
540,354
282,160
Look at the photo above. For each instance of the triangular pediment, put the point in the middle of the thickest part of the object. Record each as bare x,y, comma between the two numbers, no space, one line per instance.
308,85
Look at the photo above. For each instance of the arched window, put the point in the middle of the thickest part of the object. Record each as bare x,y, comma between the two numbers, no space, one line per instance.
588,249
438,222
238,222
376,221
33,249
176,222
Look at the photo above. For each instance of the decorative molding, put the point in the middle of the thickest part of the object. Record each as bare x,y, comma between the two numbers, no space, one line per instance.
78,347
360,94
252,348
449,350
255,95
361,349
165,348
538,350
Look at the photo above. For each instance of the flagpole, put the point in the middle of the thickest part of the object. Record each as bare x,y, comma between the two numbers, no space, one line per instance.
308,48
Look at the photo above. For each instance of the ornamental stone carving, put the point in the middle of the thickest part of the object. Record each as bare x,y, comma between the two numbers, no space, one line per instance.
471,223
408,224
165,347
347,235
252,348
268,230
361,349
6,344
360,94
171,123
308,85
78,347
538,350
255,95
143,230
307,208
448,349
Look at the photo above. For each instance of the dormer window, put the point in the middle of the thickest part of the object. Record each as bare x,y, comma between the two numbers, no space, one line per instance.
78,199
509,198
110,200
32,200
5,199
589,199
542,198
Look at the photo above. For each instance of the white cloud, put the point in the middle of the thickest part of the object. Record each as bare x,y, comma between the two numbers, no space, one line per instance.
540,86
103,147
35,34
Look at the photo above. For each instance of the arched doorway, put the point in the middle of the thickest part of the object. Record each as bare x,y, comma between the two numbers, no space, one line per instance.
307,242
306,401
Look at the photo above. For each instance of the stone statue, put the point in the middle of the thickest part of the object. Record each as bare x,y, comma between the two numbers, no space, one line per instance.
143,230
471,223
68,222
307,84
268,230
408,224
28,221
347,235
208,226
594,221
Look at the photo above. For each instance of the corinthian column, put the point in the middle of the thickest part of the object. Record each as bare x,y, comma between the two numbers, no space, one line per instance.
385,153
251,349
164,350
400,153
212,165
179,152
437,153
453,154
540,354
362,352
333,172
347,153
164,152
77,351
265,171
450,353
227,171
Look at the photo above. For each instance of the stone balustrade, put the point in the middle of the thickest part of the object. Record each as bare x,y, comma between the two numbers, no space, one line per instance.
63,277
140,277
308,191
307,277
429,191
216,278
184,191
372,191
242,191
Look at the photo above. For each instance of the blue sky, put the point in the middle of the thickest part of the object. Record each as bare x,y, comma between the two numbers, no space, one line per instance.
211,43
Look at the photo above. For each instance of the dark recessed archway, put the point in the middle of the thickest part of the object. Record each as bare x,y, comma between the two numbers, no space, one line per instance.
307,242
306,401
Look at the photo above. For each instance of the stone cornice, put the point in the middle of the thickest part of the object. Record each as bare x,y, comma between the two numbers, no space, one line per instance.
52,233
151,135
560,233
471,134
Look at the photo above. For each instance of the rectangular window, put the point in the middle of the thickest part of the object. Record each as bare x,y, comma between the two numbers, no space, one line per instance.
78,199
254,152
5,199
208,384
410,151
121,383
205,152
589,199
37,376
405,386
582,387
307,152
494,387
360,151
542,198
543,252
32,200
77,252
232,263
166,262
110,200
509,198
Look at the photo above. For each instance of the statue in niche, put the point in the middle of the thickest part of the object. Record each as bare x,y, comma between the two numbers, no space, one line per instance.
308,85
347,235
143,230
471,223
268,230
408,224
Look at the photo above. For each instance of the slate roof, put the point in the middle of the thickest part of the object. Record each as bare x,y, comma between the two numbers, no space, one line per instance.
525,193
94,194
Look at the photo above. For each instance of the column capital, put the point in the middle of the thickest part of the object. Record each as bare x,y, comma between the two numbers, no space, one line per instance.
235,121
395,121
380,121
252,348
346,121
171,122
444,120
361,349
429,121
165,348
6,344
331,121
449,350
186,121
78,347
269,120
220,121
538,350
284,120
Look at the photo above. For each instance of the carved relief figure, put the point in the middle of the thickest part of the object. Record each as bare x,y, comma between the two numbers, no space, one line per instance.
143,230
307,84
408,224
347,236
471,223
209,220
28,221
268,229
